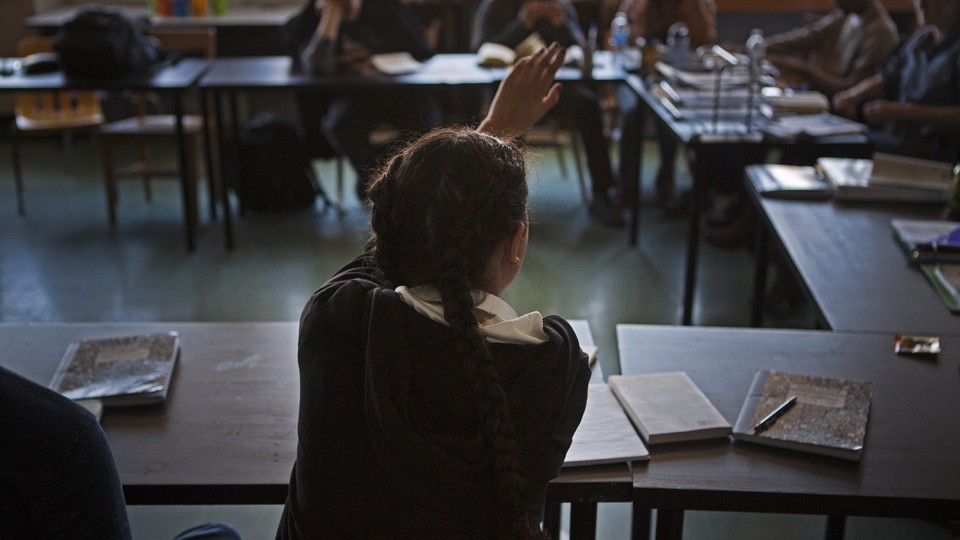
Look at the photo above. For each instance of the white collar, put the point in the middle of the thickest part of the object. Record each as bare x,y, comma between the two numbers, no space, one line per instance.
502,326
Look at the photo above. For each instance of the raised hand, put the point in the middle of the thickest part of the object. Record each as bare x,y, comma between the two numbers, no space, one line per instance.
526,94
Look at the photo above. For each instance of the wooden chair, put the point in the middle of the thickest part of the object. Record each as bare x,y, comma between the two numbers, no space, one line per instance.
146,130
49,112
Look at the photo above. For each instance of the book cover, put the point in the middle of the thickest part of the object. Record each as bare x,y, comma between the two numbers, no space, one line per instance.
829,416
668,407
788,182
945,279
852,180
497,55
605,434
928,240
903,171
129,370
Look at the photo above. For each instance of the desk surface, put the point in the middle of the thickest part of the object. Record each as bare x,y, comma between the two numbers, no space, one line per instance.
910,464
178,76
227,433
853,268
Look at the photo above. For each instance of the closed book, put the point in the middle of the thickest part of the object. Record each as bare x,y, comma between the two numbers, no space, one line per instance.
853,180
945,279
788,182
605,434
128,370
829,416
928,240
668,407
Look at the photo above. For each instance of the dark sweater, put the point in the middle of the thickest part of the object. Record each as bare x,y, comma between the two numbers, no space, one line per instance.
497,22
389,443
57,476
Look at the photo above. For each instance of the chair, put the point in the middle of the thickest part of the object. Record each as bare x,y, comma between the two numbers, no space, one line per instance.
49,112
146,130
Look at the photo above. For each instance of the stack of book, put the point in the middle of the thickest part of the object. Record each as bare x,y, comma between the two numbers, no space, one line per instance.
888,178
935,245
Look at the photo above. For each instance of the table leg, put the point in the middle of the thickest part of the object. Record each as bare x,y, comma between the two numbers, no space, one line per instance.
835,527
635,181
583,521
669,524
212,177
224,191
640,526
188,193
693,237
759,276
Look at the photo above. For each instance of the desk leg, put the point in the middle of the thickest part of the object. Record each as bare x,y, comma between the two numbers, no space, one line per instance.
208,145
835,527
583,521
222,183
669,524
189,196
640,526
635,180
693,236
759,276
551,514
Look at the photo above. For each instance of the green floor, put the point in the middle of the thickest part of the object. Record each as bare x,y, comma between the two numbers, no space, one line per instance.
62,263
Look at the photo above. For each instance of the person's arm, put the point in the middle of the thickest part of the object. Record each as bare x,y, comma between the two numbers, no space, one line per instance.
525,95
894,112
636,11
805,37
320,53
846,102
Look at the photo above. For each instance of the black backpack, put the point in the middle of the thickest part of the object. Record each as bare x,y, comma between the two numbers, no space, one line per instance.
103,42
274,167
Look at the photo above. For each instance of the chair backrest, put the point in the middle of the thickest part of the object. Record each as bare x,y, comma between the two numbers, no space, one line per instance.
53,109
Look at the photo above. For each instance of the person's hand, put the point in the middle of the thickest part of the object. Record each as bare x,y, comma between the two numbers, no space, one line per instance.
526,94
885,112
845,103
533,11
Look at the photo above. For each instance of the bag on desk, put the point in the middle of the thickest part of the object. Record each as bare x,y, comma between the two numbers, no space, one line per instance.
102,42
274,167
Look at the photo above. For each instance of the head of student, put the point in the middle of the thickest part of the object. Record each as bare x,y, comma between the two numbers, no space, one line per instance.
450,211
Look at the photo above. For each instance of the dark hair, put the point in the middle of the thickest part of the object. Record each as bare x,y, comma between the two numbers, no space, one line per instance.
440,208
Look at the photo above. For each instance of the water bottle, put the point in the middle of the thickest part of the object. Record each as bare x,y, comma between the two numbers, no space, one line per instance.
619,36
678,44
757,51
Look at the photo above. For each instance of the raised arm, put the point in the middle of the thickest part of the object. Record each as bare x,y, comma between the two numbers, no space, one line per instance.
525,95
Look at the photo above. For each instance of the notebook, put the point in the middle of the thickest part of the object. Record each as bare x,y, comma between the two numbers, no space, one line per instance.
605,434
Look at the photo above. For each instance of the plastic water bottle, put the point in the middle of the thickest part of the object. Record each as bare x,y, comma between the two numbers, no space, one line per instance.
619,36
757,51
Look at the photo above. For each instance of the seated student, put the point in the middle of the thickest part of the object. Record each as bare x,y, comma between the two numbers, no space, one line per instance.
57,476
509,22
329,35
842,47
914,102
651,20
428,408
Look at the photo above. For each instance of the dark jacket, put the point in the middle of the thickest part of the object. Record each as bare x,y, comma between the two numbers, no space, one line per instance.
497,22
389,443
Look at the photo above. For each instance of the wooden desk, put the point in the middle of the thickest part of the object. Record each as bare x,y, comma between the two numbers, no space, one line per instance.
910,465
855,272
229,76
708,141
173,80
227,433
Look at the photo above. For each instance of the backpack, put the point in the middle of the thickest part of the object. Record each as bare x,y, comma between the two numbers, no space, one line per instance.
101,42
274,167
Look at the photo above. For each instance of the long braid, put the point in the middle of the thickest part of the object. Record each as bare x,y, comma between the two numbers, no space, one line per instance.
440,208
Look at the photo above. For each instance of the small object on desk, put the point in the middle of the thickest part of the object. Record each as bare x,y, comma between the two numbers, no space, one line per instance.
792,182
668,407
497,55
922,345
398,63
928,240
605,434
127,370
769,419
828,416
39,63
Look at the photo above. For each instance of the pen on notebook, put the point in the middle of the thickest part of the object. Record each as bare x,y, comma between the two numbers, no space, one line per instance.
769,419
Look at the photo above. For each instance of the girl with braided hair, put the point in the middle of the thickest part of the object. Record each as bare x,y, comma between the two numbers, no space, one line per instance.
428,407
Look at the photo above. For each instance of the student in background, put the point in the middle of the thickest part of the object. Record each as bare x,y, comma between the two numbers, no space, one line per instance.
913,104
57,475
329,36
651,20
428,408
509,22
839,49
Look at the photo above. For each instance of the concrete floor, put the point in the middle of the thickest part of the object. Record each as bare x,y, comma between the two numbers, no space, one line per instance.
62,263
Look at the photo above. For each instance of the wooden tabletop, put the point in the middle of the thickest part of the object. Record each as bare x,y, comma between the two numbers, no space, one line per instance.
227,433
910,465
854,270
